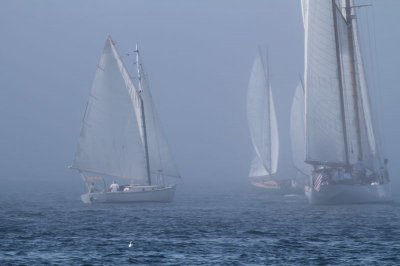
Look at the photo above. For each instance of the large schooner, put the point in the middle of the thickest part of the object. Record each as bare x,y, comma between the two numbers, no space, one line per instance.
341,144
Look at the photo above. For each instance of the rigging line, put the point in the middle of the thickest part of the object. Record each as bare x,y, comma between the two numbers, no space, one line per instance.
344,88
369,77
376,79
365,73
153,114
341,92
157,129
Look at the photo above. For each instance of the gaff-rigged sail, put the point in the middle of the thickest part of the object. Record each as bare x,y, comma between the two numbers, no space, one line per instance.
324,126
338,120
110,141
262,122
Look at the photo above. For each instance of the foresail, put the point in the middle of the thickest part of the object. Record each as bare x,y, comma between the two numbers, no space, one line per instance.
110,141
160,157
371,151
259,114
360,136
297,132
350,90
324,127
257,168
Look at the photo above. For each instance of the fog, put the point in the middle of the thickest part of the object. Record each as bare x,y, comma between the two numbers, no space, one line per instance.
198,56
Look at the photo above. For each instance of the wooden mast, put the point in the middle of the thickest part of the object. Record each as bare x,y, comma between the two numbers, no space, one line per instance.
146,149
340,77
350,33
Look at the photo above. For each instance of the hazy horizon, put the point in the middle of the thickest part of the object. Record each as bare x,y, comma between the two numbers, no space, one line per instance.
198,55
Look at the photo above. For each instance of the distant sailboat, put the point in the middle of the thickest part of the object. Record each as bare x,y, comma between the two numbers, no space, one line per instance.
298,138
341,144
121,138
264,132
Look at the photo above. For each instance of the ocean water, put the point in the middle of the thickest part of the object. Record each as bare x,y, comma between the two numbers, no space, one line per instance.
228,228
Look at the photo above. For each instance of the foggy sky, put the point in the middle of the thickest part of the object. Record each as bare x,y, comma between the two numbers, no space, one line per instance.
198,56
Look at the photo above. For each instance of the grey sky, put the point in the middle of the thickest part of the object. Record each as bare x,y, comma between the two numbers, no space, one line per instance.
198,55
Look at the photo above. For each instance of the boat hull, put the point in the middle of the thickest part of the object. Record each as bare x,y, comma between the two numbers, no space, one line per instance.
276,190
349,194
139,194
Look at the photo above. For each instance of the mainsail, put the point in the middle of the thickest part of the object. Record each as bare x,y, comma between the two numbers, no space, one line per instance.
338,121
262,122
111,140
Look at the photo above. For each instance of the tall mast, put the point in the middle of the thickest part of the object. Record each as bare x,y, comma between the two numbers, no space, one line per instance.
349,21
146,149
341,92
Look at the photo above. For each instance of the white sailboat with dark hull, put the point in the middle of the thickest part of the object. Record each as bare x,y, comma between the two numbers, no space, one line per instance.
341,143
264,133
121,138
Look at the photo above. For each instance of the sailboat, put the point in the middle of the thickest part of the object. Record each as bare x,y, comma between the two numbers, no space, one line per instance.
264,134
121,138
298,139
341,142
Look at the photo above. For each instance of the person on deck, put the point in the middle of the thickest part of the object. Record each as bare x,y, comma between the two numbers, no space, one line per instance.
114,187
92,189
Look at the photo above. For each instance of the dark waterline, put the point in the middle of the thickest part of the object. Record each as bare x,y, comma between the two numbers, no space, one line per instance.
212,228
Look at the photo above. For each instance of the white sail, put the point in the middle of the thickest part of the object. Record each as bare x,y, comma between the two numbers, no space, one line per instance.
339,130
297,132
338,118
324,126
355,123
304,9
262,122
274,135
257,168
160,157
110,141
371,151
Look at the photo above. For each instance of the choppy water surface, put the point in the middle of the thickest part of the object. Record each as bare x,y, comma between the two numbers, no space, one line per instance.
196,229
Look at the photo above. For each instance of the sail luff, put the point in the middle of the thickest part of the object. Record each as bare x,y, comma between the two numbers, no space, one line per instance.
127,79
146,149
